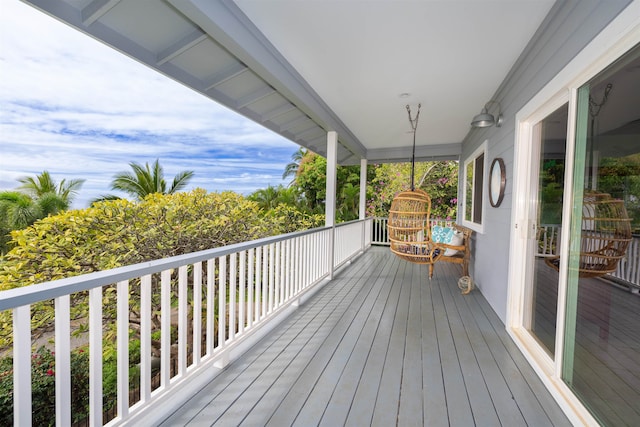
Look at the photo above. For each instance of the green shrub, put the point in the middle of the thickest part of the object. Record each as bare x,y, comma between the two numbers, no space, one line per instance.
43,374
287,219
116,233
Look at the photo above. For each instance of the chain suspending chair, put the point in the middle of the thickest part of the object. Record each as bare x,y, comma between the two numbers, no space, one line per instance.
409,219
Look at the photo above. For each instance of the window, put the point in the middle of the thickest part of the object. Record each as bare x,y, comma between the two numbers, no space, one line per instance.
474,168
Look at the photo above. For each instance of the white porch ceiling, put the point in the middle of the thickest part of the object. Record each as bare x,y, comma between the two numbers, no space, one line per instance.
303,67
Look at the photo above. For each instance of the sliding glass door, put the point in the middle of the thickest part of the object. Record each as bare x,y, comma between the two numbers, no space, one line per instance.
601,358
548,156
574,305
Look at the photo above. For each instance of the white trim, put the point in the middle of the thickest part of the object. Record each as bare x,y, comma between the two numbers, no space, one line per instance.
524,208
565,233
481,150
622,34
523,204
362,210
332,162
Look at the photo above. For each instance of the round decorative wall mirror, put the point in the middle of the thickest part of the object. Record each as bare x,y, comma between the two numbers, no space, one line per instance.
497,182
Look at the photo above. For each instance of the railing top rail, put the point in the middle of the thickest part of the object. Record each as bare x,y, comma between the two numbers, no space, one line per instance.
48,290
353,221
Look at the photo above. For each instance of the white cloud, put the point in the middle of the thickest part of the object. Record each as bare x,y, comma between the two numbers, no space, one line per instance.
79,109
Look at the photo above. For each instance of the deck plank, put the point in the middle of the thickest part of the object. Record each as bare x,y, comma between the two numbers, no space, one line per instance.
497,389
434,396
362,408
335,369
340,404
386,405
482,407
458,406
299,360
410,412
294,401
381,344
528,391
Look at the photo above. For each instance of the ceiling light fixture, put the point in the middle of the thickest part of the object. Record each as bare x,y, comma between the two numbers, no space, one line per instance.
484,119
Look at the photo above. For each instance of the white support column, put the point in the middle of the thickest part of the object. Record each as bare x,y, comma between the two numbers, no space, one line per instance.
363,201
363,189
332,165
330,200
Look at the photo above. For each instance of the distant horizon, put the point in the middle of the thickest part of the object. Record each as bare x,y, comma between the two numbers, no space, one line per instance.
81,110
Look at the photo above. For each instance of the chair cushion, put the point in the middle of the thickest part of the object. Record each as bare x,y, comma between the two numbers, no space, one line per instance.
441,234
447,235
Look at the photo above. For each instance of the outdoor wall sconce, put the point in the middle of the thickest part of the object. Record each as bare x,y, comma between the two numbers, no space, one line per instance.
484,119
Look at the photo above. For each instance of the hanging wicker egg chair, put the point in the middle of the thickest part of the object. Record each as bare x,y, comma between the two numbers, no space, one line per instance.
409,219
410,229
606,233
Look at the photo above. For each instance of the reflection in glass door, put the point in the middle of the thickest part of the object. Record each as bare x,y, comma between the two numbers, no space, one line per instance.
549,137
601,357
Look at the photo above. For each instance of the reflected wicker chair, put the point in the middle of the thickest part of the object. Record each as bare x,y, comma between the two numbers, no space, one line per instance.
606,233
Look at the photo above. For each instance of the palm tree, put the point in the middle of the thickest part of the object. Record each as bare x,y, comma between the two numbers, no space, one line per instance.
147,180
292,168
104,198
267,198
19,210
350,200
44,184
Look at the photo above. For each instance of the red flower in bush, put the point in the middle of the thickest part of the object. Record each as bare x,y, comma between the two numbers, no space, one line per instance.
50,372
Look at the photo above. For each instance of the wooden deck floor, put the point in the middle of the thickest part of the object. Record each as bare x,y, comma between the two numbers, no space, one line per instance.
381,345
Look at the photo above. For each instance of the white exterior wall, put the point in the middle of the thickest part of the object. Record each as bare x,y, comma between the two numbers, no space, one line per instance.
568,28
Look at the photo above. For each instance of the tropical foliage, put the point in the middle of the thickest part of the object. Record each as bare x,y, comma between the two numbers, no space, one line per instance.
43,376
311,181
145,180
271,197
291,170
620,177
43,184
115,233
37,197
438,179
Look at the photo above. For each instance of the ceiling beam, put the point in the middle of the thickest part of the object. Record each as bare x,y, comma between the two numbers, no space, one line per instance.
254,96
313,128
94,10
423,153
278,111
224,75
290,124
182,46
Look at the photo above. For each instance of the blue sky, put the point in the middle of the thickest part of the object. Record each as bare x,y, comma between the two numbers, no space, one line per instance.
79,109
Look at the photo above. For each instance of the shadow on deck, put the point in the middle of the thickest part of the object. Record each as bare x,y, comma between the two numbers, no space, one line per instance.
380,345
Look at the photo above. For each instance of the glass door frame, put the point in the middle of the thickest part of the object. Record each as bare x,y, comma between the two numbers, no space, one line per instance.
523,238
622,34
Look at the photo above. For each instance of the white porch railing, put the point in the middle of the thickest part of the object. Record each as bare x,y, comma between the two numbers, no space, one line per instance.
381,235
351,238
250,286
380,231
628,270
629,267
